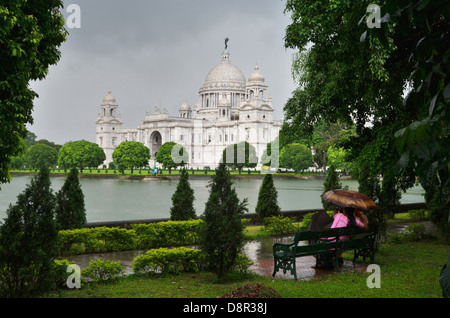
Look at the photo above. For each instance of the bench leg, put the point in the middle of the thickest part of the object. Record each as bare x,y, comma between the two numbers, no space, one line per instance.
336,261
275,267
294,268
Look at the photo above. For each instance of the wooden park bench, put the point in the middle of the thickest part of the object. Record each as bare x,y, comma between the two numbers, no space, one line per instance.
325,242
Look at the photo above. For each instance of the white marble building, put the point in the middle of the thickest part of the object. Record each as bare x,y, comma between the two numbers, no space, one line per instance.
229,109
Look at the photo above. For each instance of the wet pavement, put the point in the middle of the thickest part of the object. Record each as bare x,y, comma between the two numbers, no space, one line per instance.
260,252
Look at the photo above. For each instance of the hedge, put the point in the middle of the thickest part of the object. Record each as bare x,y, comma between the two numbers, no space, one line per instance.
165,260
178,260
140,236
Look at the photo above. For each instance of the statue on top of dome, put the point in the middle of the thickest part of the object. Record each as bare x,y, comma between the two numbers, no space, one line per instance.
226,43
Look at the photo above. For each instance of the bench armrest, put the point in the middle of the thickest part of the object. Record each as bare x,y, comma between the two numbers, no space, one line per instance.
284,248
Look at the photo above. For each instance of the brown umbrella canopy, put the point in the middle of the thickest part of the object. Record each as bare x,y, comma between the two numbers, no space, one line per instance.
349,198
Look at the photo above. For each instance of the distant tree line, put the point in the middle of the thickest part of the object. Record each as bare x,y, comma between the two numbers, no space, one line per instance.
321,149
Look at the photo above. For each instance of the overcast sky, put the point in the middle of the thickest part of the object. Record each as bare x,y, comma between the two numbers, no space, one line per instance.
152,53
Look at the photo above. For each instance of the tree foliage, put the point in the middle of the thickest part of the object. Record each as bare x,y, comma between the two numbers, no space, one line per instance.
267,204
222,235
271,155
131,154
240,155
338,84
41,154
420,32
80,154
183,200
70,208
172,155
296,156
28,241
30,36
331,183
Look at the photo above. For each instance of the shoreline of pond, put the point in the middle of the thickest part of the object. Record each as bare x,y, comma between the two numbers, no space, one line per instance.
139,177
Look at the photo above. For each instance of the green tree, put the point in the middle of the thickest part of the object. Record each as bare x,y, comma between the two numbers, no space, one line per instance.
30,36
420,34
172,155
271,155
80,154
240,155
40,154
331,183
131,154
70,208
337,83
17,162
49,143
28,241
222,235
267,204
338,157
183,200
369,184
296,156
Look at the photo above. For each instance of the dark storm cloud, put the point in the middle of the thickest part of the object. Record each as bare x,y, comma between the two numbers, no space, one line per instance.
156,53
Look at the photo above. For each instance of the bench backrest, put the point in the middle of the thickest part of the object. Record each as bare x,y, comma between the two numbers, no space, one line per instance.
330,238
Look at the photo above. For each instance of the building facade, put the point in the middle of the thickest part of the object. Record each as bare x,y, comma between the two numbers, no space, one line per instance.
230,109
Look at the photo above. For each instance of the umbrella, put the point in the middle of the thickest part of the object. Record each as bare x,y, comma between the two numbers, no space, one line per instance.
349,198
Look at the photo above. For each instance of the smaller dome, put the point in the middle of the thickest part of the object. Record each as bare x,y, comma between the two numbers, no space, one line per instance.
185,107
109,99
256,76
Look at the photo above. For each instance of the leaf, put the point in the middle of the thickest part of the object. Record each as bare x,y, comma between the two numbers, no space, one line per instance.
362,19
433,104
386,18
421,5
444,279
404,160
421,151
446,91
363,36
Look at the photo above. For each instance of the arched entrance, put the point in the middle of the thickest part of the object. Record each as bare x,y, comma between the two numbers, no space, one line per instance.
155,143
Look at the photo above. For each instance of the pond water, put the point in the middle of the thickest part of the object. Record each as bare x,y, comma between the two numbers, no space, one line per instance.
117,200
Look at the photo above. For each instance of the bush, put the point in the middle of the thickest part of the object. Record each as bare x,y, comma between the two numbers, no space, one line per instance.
222,235
418,232
183,199
412,233
267,204
94,240
419,215
61,273
170,233
28,241
71,211
179,260
102,271
278,225
141,236
165,261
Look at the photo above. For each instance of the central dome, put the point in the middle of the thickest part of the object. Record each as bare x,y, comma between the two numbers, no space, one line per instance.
225,72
